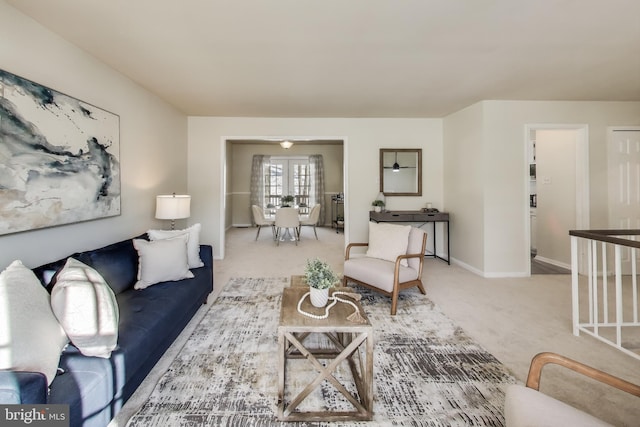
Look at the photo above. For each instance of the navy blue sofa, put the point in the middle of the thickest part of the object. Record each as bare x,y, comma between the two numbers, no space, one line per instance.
150,320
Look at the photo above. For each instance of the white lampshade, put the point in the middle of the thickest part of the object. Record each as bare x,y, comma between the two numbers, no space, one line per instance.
172,206
286,144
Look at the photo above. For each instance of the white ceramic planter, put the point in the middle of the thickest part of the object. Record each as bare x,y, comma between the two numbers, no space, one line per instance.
319,297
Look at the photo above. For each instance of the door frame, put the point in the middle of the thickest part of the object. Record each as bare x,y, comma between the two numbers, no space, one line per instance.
226,140
583,209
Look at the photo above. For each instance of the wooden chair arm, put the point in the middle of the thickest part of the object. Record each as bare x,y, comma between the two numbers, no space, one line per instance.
349,246
541,359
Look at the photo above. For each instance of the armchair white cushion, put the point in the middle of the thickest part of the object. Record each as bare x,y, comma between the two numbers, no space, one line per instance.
526,407
386,276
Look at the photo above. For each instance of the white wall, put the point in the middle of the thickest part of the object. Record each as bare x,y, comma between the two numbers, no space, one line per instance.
152,138
464,185
499,129
556,189
363,139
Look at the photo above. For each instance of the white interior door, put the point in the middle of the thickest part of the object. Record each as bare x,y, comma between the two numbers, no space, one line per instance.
624,183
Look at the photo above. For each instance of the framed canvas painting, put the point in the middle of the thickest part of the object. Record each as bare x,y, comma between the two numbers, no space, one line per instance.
59,158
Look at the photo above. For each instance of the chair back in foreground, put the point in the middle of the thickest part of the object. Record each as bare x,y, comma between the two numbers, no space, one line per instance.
311,219
287,218
393,261
260,220
527,406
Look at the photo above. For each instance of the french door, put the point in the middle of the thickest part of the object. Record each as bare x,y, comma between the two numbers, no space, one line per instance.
286,176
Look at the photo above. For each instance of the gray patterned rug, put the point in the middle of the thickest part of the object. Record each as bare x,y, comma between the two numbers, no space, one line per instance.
427,371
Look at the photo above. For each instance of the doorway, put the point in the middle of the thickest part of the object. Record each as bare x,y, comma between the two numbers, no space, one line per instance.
237,154
557,194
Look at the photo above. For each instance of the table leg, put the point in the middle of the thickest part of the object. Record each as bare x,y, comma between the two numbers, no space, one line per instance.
282,367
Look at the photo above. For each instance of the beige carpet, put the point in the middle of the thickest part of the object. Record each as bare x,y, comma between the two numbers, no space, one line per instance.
514,319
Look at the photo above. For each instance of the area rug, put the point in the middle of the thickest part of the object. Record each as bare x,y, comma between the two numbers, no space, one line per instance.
427,371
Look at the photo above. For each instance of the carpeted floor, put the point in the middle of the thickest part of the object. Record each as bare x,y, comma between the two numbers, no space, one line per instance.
427,370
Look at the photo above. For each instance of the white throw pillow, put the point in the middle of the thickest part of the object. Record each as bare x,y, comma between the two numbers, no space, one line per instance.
31,339
162,261
193,245
388,241
87,309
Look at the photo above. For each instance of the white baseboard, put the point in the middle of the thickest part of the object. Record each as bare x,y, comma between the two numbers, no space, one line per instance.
487,275
553,262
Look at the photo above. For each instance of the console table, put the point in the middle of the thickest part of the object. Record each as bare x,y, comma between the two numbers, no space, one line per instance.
417,216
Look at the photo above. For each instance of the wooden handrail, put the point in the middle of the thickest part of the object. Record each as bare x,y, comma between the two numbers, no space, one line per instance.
606,236
541,359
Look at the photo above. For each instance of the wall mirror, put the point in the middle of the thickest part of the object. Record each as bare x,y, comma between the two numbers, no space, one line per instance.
401,171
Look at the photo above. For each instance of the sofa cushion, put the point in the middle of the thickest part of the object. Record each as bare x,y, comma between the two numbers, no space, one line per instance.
117,264
151,318
377,272
31,337
388,241
86,308
162,260
193,244
18,388
88,385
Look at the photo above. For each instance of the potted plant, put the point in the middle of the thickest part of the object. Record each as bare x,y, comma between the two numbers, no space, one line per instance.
377,205
271,207
320,278
286,201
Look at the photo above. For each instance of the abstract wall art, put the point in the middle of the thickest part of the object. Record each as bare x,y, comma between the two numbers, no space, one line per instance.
59,158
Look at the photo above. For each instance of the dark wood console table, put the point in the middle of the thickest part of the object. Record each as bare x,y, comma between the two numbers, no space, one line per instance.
417,216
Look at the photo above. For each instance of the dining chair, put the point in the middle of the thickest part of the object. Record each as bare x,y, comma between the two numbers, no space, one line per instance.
261,220
311,219
287,218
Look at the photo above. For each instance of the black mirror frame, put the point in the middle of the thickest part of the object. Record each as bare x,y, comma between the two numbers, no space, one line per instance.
418,151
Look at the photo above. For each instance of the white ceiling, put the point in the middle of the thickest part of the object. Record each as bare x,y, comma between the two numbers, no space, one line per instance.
357,58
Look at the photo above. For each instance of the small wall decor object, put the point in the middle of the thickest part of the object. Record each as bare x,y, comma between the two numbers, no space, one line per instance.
60,158
401,171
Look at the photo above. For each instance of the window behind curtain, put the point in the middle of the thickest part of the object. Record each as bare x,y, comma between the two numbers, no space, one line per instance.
287,176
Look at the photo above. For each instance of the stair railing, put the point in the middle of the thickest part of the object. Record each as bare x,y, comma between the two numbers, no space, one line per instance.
611,312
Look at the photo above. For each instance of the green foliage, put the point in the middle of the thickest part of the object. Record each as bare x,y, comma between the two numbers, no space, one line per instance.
377,203
286,200
319,275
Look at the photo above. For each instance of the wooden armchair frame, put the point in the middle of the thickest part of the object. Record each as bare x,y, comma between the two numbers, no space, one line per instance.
542,359
397,285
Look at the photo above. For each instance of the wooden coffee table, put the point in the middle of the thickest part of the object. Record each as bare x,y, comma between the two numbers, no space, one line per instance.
352,343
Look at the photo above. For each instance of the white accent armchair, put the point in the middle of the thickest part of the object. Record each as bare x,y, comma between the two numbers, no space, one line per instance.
393,261
526,406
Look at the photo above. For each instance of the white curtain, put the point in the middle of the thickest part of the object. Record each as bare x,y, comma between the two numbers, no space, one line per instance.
257,180
317,187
